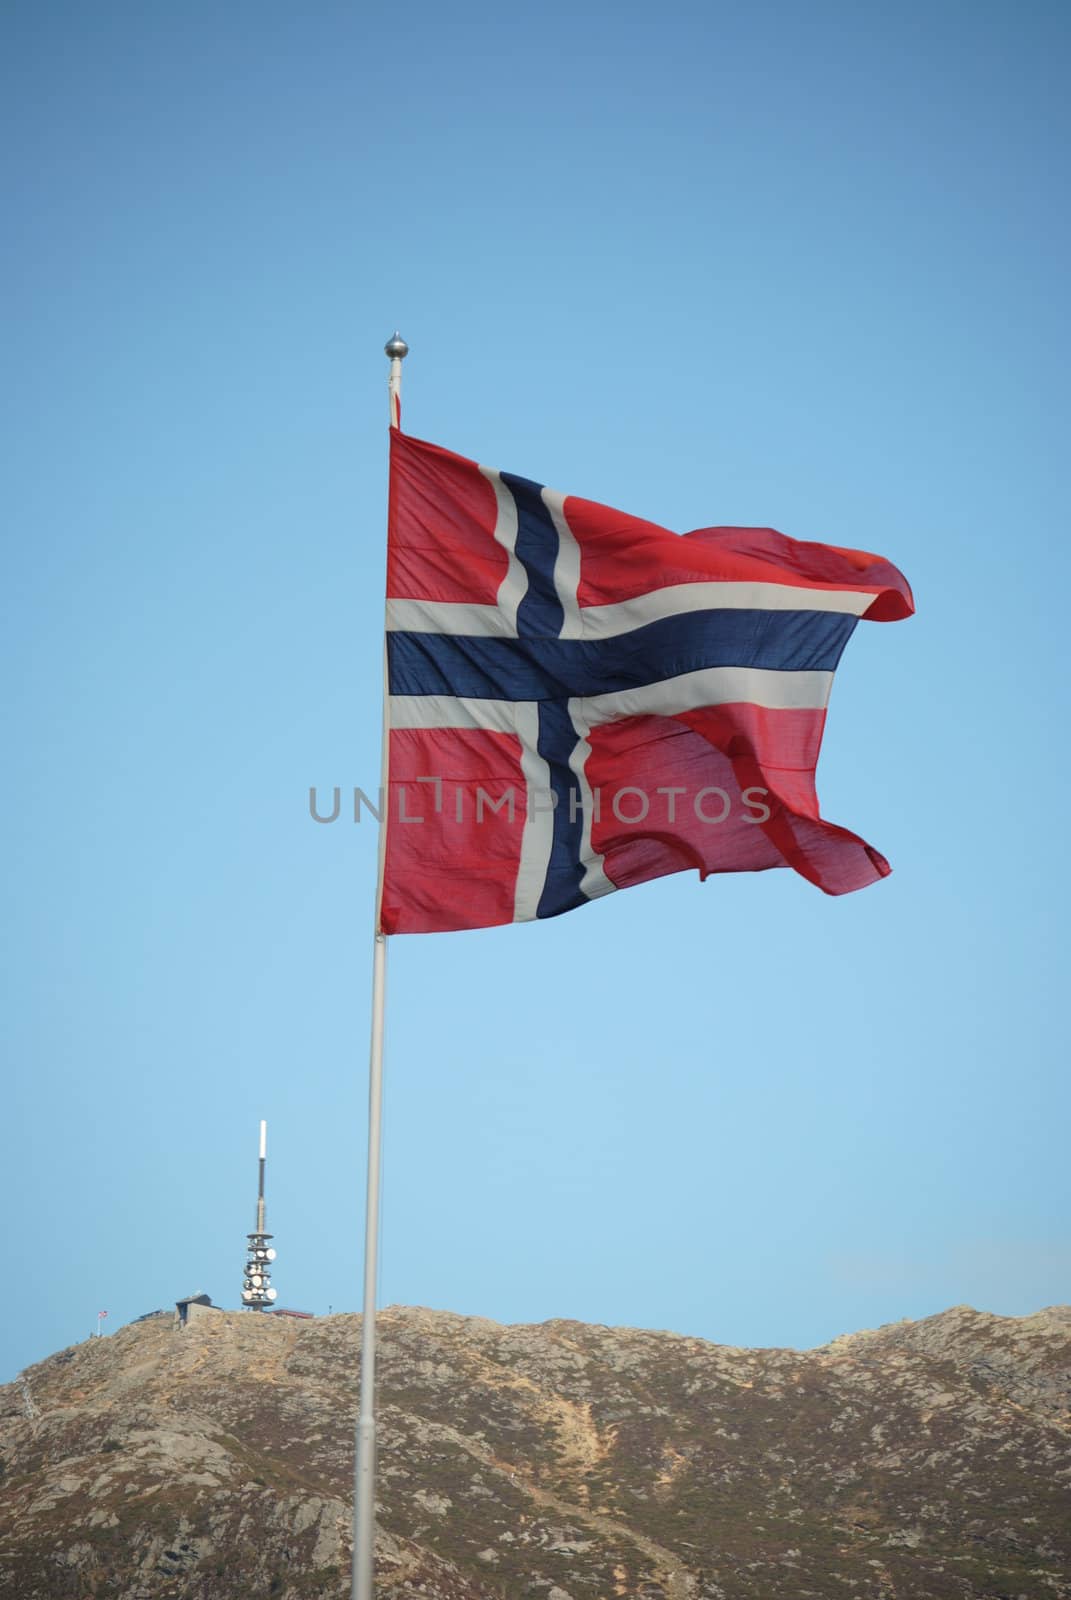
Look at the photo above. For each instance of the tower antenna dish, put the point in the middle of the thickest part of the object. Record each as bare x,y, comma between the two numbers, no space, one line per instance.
257,1292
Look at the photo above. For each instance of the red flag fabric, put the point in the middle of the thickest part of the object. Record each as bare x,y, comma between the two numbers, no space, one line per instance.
580,700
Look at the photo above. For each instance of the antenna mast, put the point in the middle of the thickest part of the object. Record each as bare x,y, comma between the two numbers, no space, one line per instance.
257,1292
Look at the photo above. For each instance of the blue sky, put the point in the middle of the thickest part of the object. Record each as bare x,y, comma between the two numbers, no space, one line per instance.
799,266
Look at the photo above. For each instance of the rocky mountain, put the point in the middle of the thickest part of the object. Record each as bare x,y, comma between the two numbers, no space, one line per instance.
559,1462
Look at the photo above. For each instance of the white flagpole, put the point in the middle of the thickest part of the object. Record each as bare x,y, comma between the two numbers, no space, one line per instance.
364,1477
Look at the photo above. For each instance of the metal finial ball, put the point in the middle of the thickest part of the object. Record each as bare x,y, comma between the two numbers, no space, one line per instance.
396,347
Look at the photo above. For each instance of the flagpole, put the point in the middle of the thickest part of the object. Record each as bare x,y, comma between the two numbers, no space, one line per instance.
364,1478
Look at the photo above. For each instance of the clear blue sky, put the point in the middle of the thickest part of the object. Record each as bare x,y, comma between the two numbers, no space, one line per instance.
794,265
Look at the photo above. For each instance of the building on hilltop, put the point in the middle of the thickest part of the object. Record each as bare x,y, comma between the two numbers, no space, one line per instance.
192,1306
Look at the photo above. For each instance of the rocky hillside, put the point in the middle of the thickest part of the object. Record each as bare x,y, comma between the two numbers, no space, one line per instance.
560,1462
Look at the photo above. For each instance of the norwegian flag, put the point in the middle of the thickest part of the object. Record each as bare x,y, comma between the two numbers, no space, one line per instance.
579,700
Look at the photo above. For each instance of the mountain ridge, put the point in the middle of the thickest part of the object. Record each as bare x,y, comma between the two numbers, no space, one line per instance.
560,1460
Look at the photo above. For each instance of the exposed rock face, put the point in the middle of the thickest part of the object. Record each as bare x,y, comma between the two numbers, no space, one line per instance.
561,1462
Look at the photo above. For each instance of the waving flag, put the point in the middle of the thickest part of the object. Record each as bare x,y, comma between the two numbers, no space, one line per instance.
580,701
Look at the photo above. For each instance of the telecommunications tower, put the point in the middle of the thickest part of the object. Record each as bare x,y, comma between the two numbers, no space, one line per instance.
257,1292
